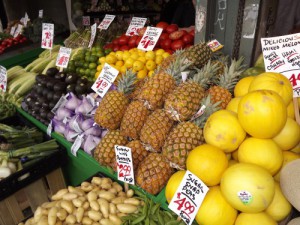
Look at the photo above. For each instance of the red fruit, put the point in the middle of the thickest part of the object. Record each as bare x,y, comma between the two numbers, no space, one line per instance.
171,28
108,46
124,47
158,43
184,32
188,39
163,36
166,44
192,32
162,25
176,35
142,31
132,41
115,41
138,40
115,48
123,40
169,51
178,44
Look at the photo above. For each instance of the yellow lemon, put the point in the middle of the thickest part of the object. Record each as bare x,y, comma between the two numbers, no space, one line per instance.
97,74
158,59
129,63
134,55
119,55
99,67
166,55
102,60
150,65
150,55
138,65
142,59
112,53
123,69
125,55
119,63
141,52
111,59
150,73
142,74
159,52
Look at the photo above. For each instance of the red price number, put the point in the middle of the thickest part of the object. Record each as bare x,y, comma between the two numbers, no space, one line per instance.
146,42
293,79
184,204
124,170
101,83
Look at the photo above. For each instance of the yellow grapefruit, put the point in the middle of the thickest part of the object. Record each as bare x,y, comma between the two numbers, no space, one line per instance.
233,104
173,184
254,219
242,87
291,110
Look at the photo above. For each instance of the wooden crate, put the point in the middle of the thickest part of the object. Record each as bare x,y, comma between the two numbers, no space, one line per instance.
21,205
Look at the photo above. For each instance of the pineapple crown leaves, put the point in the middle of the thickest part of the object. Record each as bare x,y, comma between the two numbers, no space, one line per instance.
126,82
210,108
231,74
205,75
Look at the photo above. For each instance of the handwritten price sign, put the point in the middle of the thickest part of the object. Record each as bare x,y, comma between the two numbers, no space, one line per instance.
124,164
106,22
282,55
47,35
63,57
93,34
150,38
105,79
12,30
86,21
41,13
3,79
188,197
18,30
135,24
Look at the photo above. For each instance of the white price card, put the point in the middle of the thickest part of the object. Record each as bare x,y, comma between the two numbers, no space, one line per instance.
135,25
12,30
105,80
188,197
106,22
3,79
18,30
150,38
124,164
26,18
63,57
41,13
93,34
86,21
47,35
76,145
282,55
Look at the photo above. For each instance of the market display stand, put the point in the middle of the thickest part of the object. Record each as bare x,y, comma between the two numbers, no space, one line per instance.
83,166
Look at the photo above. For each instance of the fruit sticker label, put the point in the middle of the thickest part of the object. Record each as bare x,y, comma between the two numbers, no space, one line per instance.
63,57
12,30
76,145
93,34
18,30
150,38
245,197
124,164
135,25
105,80
86,21
3,79
282,55
199,113
41,13
214,45
188,197
106,22
47,35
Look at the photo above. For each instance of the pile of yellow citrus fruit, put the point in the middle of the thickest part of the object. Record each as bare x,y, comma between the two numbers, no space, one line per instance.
141,62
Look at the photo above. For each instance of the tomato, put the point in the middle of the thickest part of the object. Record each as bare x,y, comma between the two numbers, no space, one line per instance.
166,44
123,40
142,31
115,41
176,35
163,36
162,25
171,28
177,44
192,32
115,48
132,41
108,46
124,47
138,40
158,43
188,39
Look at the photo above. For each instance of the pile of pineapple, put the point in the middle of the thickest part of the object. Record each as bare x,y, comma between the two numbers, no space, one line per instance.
156,118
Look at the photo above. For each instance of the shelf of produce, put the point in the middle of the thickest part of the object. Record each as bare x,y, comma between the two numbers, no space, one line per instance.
81,167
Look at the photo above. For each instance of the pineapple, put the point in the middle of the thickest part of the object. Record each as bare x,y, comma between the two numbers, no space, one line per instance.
134,119
137,89
105,150
169,60
157,87
155,130
221,63
139,153
112,107
198,54
226,83
153,173
184,101
186,136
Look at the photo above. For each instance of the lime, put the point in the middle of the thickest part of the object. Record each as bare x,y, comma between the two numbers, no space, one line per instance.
93,58
81,56
77,63
92,65
87,72
82,71
92,72
78,70
71,63
100,54
85,65
87,58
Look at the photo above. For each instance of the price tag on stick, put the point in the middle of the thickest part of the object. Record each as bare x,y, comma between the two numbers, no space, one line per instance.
63,57
86,21
47,35
41,13
26,18
135,24
12,30
18,30
124,164
105,80
76,145
3,79
93,34
150,38
105,23
188,197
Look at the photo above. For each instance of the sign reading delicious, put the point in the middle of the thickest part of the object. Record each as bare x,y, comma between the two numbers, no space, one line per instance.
282,55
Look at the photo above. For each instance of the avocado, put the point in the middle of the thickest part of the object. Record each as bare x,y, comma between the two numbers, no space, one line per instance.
51,72
71,79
